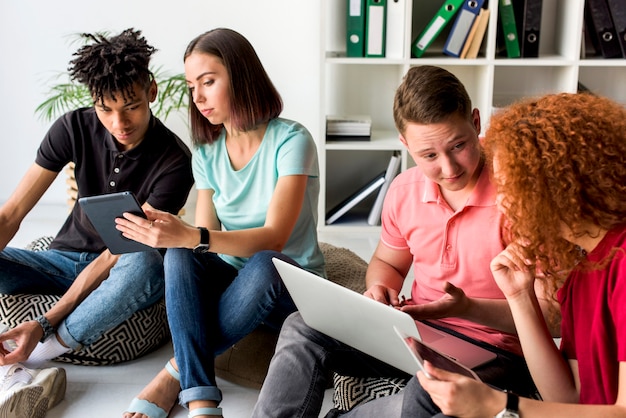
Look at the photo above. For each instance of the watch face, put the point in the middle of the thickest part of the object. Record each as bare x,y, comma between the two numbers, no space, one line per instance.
201,249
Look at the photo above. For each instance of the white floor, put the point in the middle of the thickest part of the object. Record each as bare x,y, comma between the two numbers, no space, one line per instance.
106,391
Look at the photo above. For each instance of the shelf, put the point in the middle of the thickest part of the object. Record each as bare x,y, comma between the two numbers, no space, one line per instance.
367,85
381,140
599,62
547,61
354,221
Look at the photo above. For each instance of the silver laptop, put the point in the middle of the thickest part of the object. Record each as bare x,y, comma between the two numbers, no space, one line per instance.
367,325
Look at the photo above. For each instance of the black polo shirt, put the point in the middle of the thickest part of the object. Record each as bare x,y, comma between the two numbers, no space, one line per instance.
158,170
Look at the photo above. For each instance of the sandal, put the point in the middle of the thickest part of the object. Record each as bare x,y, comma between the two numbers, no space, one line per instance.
205,411
148,408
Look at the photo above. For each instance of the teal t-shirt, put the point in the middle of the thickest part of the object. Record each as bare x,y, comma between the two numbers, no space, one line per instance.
242,197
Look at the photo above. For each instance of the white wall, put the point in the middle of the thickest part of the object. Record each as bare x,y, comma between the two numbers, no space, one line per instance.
36,43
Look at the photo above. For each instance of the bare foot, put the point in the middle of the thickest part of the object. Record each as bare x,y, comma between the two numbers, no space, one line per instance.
162,391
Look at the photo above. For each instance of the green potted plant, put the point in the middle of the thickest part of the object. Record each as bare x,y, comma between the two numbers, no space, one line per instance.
67,95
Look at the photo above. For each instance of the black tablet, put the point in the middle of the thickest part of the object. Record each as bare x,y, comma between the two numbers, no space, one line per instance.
102,211
421,352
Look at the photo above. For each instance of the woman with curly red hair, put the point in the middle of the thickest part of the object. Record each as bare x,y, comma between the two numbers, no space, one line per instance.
559,167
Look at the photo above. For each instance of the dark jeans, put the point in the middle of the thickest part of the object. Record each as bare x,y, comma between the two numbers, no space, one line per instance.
304,359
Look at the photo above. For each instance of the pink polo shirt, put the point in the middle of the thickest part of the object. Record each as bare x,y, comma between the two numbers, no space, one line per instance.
447,246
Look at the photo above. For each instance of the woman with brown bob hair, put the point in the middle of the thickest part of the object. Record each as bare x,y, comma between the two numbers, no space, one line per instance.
559,165
257,179
254,100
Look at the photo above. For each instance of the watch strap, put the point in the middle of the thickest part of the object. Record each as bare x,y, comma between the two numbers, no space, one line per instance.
512,401
204,236
512,406
204,244
47,327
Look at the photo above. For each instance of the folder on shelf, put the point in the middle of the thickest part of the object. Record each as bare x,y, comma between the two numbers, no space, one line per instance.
600,26
462,27
470,50
509,28
618,13
528,15
435,26
392,169
470,36
339,210
395,29
355,28
375,21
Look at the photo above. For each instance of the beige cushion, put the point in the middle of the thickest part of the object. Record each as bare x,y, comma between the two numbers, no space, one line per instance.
246,363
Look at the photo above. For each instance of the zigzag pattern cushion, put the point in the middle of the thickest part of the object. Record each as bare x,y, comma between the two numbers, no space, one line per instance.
142,333
40,244
352,391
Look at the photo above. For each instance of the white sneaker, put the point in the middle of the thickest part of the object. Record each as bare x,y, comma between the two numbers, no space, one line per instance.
29,393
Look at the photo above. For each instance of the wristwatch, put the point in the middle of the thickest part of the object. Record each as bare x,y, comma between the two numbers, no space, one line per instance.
510,411
204,245
47,327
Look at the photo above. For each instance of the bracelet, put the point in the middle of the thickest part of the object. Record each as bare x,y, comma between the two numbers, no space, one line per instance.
47,327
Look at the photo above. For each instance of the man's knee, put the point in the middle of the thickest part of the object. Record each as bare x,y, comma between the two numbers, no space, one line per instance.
143,260
295,330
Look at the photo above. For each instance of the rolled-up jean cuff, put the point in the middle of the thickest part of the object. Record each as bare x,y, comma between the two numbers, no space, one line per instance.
67,338
200,393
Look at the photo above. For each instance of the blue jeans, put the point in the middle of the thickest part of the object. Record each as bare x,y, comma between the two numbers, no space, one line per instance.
211,306
299,372
134,283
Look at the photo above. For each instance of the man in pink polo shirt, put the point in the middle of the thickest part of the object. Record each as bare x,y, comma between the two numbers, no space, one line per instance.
440,218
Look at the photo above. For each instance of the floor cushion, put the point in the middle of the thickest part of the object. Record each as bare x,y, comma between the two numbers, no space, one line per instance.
246,362
143,332
351,391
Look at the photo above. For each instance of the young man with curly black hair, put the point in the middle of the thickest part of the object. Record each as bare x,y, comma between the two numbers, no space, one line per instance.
116,145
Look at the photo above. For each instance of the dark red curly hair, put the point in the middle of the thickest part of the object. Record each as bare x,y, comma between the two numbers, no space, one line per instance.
561,160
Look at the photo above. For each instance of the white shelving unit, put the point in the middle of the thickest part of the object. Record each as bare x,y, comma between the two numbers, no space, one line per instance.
355,86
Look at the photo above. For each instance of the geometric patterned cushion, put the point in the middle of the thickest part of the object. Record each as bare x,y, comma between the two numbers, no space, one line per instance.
352,391
140,334
40,244
143,332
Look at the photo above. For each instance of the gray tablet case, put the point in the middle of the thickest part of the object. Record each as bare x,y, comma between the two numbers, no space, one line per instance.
102,211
